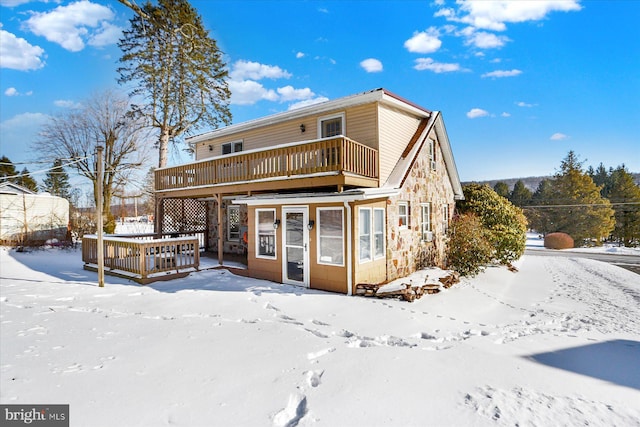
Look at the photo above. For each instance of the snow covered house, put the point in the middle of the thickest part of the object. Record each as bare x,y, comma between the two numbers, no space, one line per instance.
29,217
354,190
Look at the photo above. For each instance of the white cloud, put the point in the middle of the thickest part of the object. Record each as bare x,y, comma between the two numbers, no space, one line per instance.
308,102
505,114
17,54
248,92
12,91
371,65
484,40
424,42
437,67
13,3
502,73
494,15
65,103
289,93
256,71
474,113
108,34
558,136
70,25
524,104
323,10
300,55
24,122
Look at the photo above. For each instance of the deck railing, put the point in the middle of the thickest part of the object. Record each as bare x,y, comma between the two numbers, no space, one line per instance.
339,154
142,259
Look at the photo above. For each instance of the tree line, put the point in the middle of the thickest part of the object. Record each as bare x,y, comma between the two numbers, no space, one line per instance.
591,205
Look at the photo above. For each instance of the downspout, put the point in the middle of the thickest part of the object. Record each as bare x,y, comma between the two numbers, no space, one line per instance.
349,257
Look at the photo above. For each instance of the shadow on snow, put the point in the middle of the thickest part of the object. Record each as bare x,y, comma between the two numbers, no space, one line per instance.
616,361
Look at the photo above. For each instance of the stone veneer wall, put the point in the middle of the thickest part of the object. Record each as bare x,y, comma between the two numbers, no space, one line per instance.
212,224
406,252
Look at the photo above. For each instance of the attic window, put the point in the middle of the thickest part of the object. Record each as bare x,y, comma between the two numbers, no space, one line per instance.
331,126
232,147
432,154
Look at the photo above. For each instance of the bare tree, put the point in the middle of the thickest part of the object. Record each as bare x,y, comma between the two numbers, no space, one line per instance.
102,120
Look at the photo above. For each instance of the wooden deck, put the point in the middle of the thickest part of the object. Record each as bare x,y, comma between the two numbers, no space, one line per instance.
144,261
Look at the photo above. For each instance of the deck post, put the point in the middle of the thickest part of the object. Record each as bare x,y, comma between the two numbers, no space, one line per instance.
159,218
220,231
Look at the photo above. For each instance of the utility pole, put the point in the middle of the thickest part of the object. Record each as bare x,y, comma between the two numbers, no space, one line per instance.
99,203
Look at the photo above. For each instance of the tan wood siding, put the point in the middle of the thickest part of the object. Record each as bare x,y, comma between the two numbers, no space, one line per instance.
396,130
360,124
331,278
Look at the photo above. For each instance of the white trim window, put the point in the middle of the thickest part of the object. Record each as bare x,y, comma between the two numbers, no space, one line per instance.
445,218
329,126
425,226
364,235
330,236
265,233
403,215
232,147
233,223
371,234
378,233
432,154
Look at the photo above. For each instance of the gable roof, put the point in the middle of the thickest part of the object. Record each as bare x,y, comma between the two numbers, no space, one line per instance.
401,170
13,188
376,95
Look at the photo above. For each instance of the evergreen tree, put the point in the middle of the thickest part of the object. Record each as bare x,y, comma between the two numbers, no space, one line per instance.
502,189
521,195
56,182
506,224
625,195
25,180
602,178
540,218
584,214
178,70
7,168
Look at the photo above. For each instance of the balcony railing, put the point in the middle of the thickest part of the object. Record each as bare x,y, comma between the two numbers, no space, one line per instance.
143,260
341,155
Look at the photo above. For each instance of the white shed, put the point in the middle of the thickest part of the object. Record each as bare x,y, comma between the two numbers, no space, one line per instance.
26,216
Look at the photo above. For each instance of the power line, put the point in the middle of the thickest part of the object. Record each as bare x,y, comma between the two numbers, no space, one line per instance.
77,160
581,205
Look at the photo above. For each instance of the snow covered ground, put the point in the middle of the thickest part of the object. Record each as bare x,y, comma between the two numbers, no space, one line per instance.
557,343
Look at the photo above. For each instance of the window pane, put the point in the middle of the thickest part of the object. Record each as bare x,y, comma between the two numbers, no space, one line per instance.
365,234
332,127
330,236
226,148
266,236
237,147
233,223
378,231
403,214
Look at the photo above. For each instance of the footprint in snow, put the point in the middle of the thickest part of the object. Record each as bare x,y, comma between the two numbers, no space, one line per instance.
291,415
314,378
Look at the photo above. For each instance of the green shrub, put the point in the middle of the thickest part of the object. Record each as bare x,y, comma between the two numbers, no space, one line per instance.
558,241
506,224
469,246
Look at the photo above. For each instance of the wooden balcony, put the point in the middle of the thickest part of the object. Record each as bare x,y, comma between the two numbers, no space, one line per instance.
337,161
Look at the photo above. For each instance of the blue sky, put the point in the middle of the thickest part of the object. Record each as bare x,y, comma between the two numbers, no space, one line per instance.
519,83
